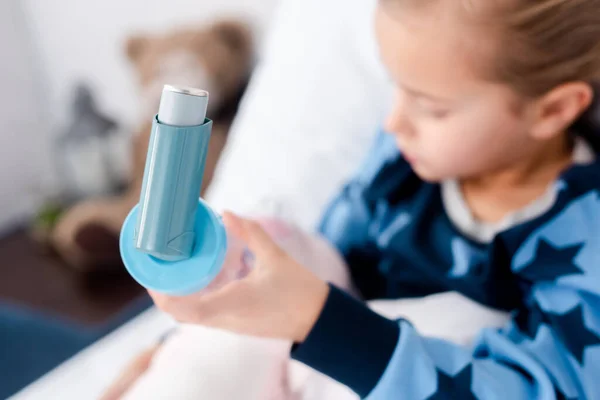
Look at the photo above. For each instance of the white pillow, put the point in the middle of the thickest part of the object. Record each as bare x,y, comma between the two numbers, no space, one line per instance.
314,104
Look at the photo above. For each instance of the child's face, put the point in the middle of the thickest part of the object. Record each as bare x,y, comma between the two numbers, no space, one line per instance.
448,121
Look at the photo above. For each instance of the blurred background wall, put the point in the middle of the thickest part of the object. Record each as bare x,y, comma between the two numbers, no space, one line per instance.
48,46
24,138
85,39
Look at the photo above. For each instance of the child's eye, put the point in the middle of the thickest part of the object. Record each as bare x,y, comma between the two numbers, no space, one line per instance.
438,114
430,110
434,112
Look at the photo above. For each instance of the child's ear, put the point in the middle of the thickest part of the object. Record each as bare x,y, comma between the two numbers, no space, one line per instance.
557,110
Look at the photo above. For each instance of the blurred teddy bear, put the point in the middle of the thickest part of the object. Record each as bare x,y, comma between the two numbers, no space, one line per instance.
217,58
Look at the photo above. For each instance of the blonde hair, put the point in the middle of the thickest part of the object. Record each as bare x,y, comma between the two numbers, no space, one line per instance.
545,43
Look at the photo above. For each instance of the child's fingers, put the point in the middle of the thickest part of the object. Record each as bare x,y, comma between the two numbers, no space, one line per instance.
233,224
259,242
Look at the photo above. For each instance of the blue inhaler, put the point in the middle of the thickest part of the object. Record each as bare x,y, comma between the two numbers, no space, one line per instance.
172,242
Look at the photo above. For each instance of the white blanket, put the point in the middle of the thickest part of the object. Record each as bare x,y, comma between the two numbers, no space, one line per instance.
201,363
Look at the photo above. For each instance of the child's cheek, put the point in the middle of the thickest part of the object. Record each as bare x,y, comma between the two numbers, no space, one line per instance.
446,159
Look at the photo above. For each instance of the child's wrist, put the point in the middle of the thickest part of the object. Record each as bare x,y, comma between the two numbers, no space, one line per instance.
314,304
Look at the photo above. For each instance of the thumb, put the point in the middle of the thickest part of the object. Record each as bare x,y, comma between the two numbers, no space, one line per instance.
258,241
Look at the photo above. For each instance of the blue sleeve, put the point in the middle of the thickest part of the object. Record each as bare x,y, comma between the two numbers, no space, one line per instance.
346,222
549,350
383,359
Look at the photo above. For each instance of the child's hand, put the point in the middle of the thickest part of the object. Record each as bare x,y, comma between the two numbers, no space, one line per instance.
279,298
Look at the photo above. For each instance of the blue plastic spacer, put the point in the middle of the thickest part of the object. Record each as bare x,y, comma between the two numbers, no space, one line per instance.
178,278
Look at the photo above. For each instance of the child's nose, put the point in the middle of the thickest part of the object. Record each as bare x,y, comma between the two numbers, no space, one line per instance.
398,121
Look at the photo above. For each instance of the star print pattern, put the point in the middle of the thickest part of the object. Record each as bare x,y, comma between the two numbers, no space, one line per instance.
454,387
551,263
572,329
530,320
570,326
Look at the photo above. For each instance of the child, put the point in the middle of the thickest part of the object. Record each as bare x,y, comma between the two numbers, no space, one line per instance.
495,194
